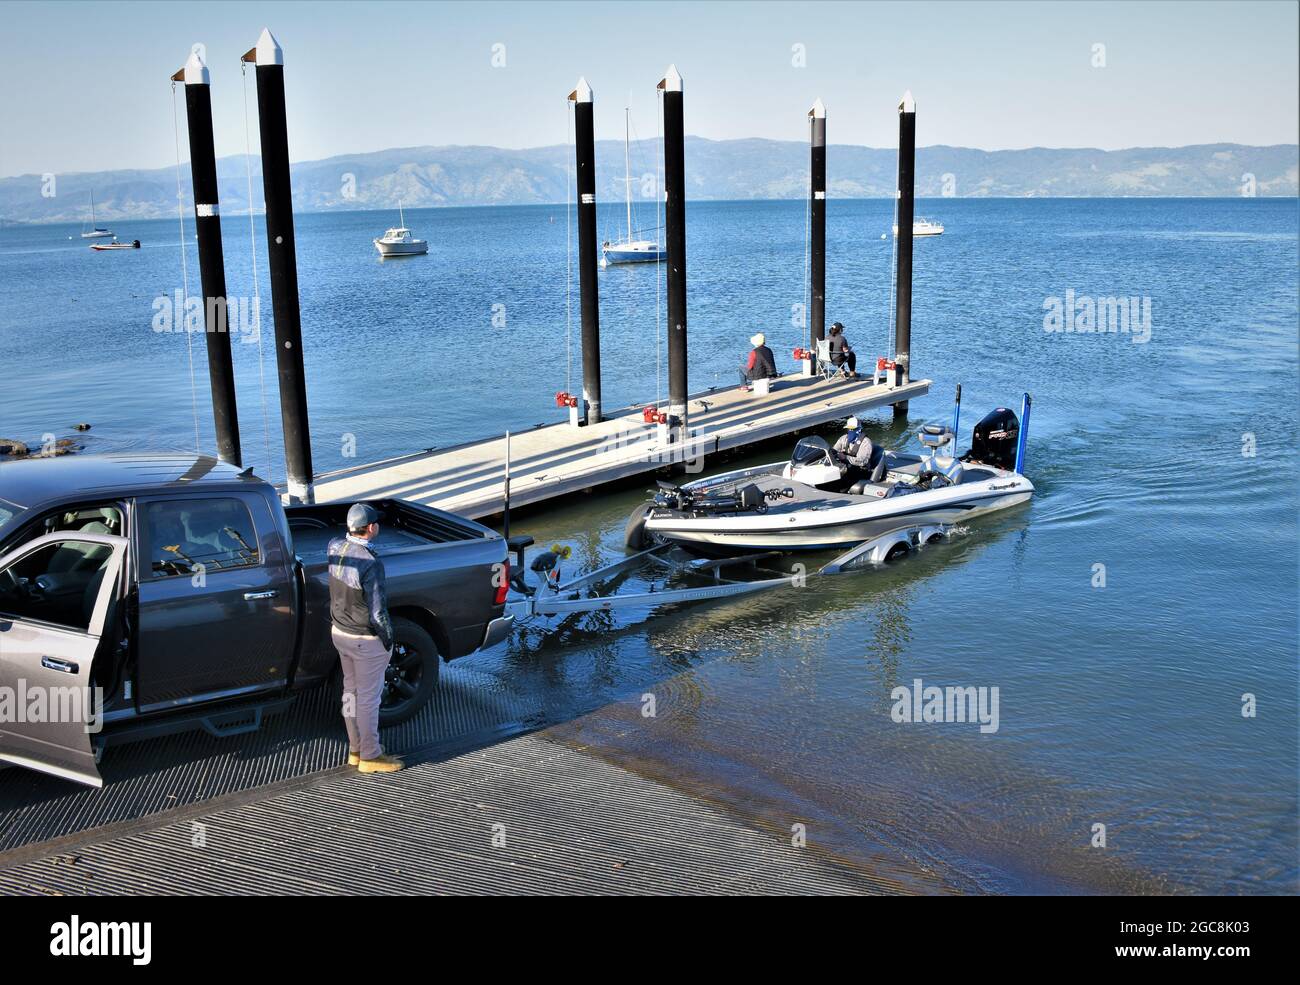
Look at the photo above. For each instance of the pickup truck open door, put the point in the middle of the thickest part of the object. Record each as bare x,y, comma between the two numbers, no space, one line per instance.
56,595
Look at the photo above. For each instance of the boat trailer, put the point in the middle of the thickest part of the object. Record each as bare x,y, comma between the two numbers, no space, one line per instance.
551,597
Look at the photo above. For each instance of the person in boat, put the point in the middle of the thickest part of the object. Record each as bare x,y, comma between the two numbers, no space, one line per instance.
761,364
853,448
842,352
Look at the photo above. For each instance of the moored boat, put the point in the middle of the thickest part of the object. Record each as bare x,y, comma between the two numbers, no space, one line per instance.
630,250
398,241
924,227
94,232
115,245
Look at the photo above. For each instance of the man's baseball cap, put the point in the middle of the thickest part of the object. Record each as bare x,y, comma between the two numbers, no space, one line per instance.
360,516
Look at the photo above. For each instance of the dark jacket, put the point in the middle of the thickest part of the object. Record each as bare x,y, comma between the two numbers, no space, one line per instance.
840,348
358,591
761,363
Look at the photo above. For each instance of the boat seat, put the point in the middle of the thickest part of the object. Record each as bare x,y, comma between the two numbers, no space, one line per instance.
881,467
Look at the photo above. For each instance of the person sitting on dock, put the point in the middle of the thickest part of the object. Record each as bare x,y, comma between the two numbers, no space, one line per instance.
842,352
761,364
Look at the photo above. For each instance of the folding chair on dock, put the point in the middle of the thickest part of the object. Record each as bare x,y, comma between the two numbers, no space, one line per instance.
827,369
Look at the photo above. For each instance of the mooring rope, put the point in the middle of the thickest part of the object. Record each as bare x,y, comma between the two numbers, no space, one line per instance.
807,250
185,276
660,193
893,272
257,294
568,253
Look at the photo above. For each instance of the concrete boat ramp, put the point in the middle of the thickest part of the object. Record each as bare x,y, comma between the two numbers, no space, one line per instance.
529,815
560,459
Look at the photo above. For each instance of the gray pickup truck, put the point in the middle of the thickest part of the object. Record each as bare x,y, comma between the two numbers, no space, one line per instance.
146,594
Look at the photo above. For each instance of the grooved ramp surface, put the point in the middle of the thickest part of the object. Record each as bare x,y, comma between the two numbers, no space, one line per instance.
158,775
571,823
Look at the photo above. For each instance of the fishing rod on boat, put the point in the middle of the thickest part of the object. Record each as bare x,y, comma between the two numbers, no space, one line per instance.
956,419
505,506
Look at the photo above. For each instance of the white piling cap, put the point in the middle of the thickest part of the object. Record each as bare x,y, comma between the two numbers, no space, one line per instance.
195,73
818,111
671,82
268,51
582,94
908,104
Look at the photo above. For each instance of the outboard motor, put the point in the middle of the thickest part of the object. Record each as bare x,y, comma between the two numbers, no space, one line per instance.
994,440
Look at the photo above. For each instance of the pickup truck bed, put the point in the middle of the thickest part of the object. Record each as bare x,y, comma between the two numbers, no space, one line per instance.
312,542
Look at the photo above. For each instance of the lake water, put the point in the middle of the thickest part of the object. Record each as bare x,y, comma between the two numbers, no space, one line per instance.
1170,462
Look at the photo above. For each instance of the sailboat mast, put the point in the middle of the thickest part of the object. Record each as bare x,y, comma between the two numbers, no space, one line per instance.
627,166
401,217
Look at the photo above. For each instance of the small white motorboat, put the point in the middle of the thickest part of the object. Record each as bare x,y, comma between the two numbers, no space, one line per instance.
115,245
818,501
94,232
924,227
398,241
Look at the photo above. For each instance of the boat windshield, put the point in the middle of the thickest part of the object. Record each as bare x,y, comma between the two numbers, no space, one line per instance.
810,451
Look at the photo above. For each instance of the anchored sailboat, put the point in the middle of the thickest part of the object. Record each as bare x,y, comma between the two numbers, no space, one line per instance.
630,250
95,232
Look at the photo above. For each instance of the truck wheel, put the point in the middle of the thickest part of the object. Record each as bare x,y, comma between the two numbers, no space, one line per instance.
412,674
634,535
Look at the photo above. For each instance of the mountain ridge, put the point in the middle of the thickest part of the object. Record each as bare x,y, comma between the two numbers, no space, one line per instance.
738,169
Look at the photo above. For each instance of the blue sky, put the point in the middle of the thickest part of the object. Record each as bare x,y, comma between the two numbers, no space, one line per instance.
85,85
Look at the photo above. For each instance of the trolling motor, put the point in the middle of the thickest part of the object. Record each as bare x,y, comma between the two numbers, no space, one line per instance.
546,565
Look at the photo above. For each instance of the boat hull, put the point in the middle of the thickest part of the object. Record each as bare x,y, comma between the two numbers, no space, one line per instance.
97,234
637,253
415,249
839,520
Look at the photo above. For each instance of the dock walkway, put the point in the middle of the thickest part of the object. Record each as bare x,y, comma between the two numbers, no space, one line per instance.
558,459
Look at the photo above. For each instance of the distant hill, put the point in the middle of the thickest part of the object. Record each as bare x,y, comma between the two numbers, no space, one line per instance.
716,169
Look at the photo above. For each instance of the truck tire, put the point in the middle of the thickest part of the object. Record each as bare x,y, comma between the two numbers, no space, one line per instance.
634,536
412,674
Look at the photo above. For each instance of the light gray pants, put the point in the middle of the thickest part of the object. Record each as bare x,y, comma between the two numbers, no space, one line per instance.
364,661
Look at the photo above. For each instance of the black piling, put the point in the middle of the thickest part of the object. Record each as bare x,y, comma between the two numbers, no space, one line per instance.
675,234
588,287
906,214
817,234
283,262
212,265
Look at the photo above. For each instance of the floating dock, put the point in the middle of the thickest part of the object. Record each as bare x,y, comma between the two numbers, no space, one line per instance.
560,459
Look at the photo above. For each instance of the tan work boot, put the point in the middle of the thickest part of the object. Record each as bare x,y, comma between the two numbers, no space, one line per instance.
383,764
354,758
